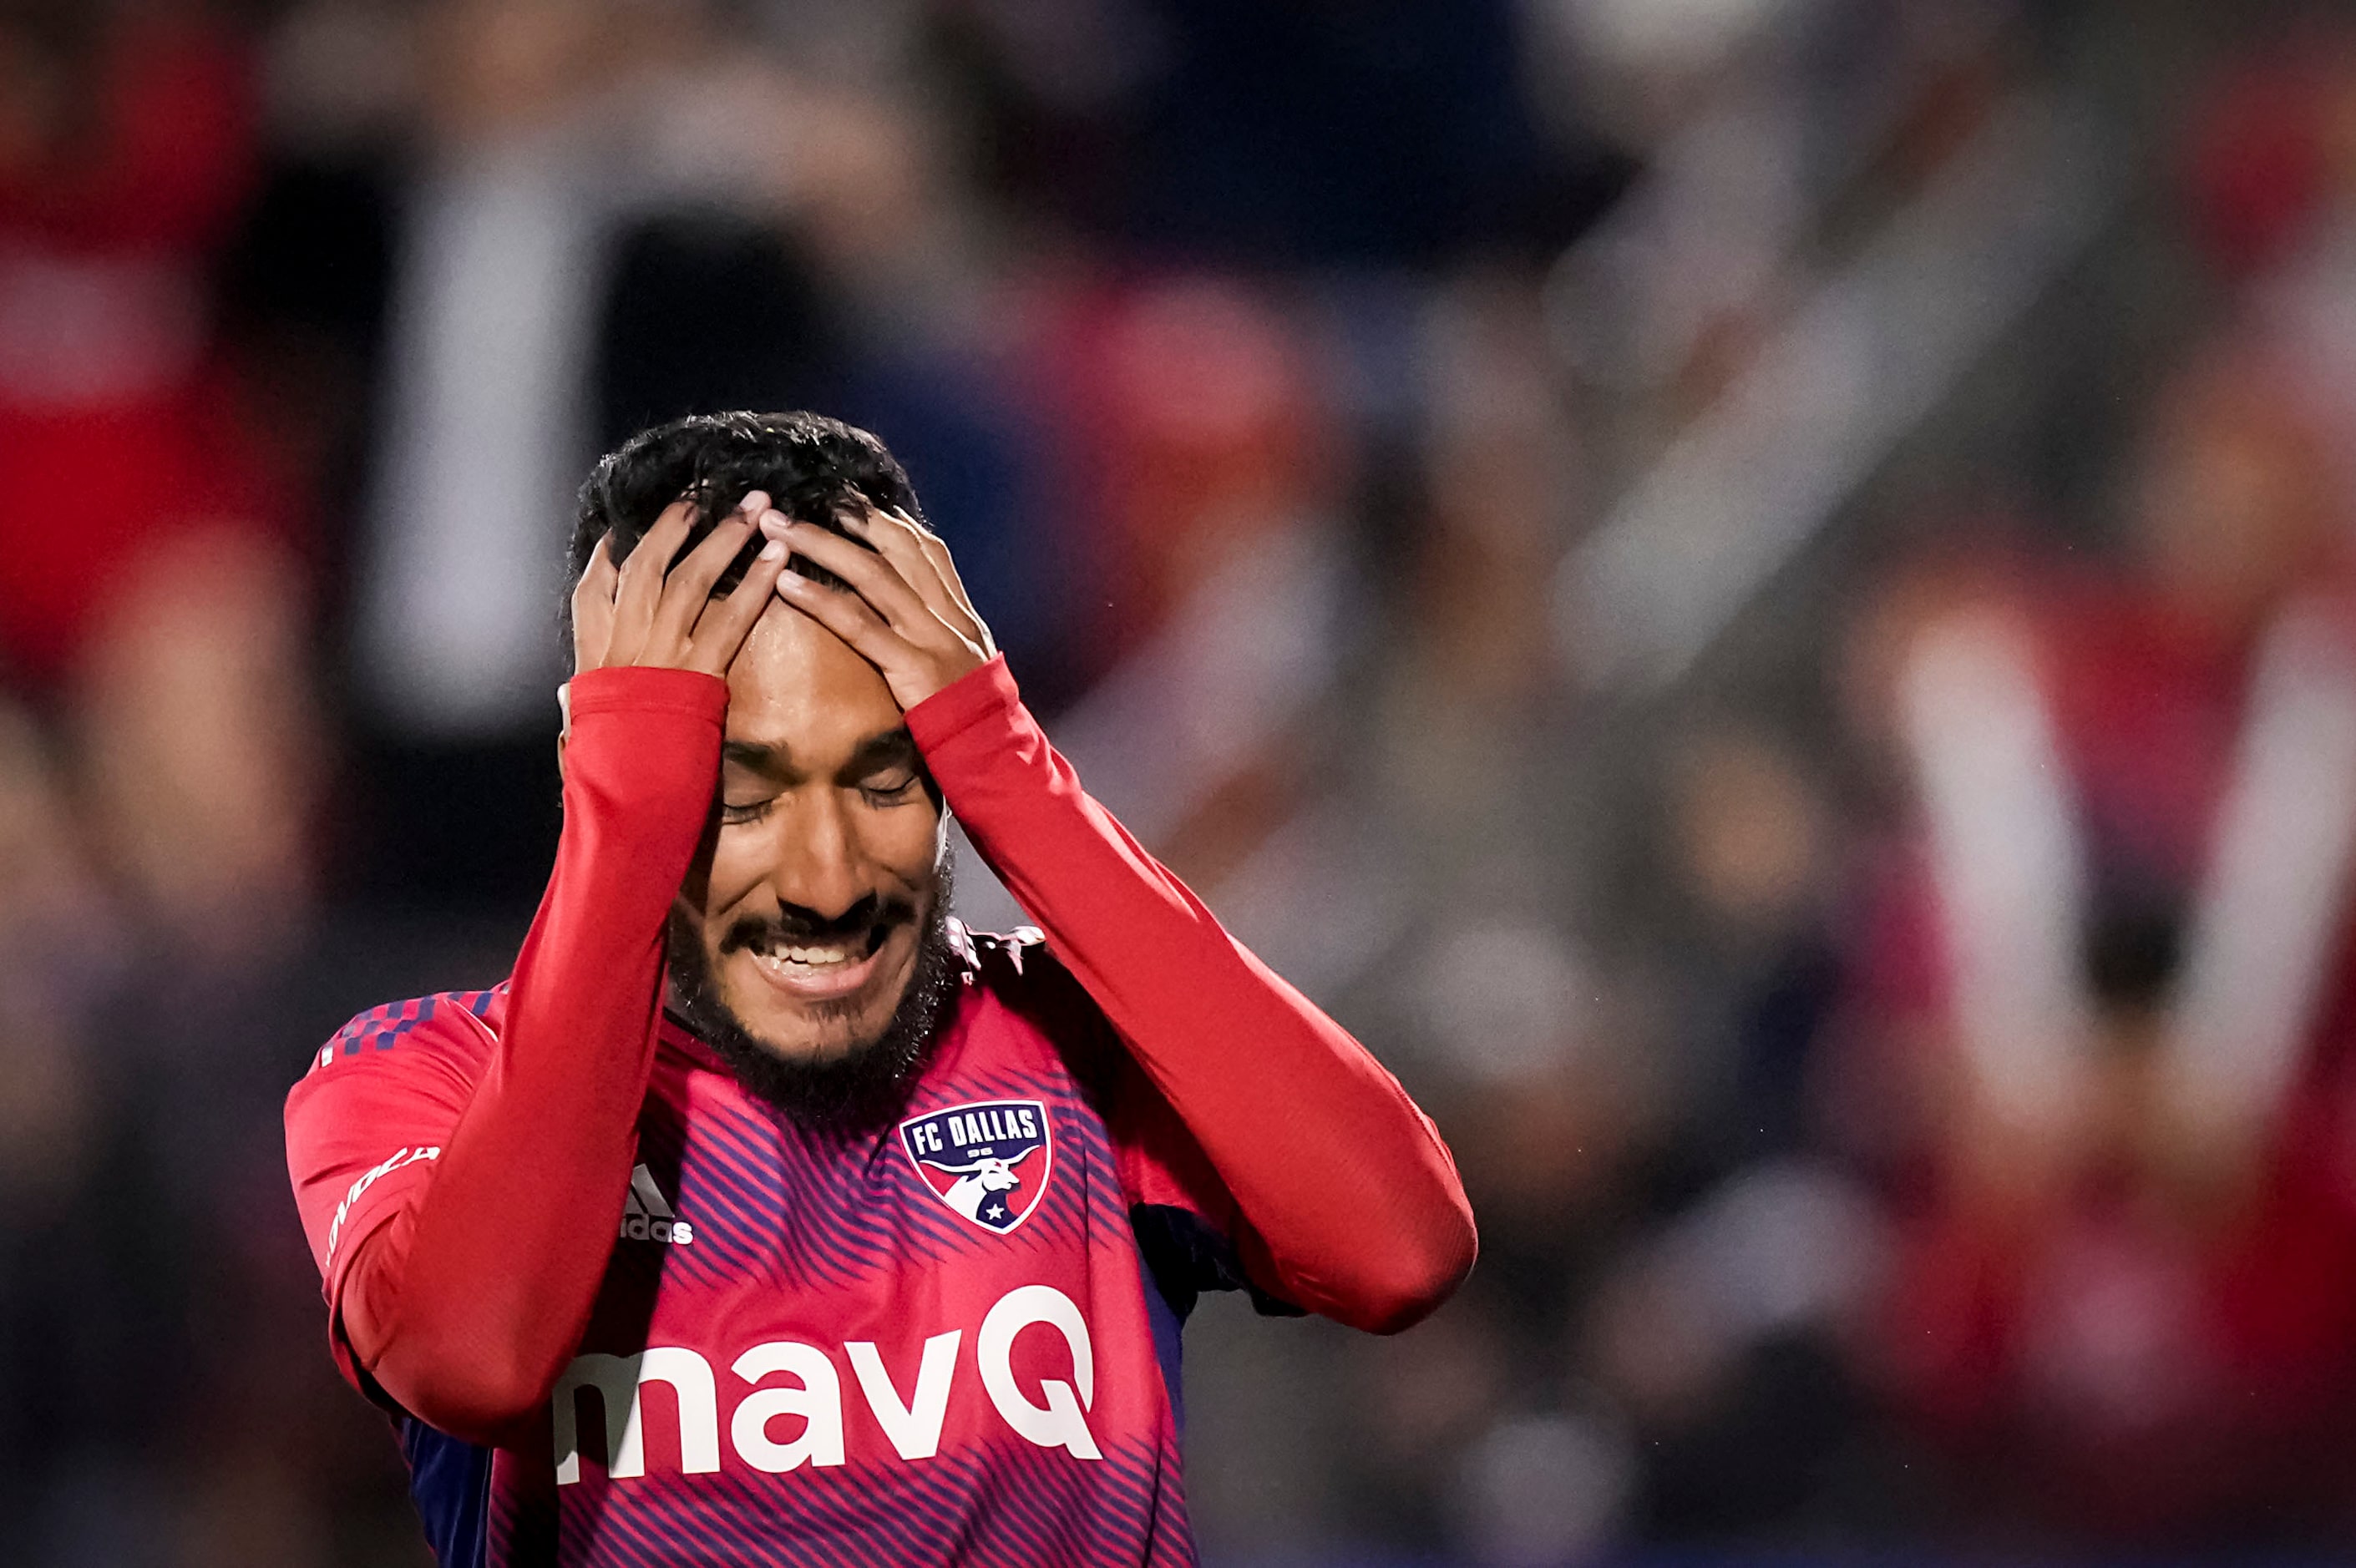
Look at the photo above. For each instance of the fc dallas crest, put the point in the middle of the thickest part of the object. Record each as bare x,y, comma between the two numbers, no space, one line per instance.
988,1160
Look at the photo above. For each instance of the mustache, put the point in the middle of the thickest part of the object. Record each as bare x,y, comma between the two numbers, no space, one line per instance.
862,1088
797,925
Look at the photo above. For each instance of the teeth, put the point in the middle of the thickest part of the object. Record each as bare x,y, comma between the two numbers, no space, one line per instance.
809,957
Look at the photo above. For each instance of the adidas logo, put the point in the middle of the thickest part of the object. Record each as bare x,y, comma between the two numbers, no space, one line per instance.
646,1218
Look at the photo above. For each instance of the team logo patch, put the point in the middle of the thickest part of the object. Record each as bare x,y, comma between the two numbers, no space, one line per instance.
988,1160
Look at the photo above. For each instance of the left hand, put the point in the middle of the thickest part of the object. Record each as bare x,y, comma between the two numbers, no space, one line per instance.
909,616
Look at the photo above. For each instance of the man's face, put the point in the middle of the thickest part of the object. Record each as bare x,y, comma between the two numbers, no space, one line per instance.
826,873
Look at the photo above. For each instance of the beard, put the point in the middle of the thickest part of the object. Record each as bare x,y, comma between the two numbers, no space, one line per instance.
854,1089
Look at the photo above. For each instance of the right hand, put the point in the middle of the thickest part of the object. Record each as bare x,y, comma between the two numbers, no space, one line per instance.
640,613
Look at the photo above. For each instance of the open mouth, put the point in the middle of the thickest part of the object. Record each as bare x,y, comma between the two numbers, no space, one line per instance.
818,968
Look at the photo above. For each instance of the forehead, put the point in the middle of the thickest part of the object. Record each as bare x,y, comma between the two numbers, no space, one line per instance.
796,685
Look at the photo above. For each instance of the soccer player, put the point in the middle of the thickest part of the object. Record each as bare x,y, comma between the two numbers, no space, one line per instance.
764,1215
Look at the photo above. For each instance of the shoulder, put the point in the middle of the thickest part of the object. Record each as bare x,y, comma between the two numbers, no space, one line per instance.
385,1091
450,1032
1016,969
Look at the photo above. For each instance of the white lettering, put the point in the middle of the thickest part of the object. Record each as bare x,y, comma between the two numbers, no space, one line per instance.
915,1428
368,1179
1059,1424
617,1381
1058,1419
818,1401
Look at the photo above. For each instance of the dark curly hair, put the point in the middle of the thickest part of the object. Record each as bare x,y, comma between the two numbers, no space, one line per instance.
809,464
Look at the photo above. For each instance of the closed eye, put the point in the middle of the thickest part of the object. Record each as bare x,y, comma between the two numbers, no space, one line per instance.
733,815
889,789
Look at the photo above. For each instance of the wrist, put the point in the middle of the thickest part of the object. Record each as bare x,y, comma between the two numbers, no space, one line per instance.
644,745
984,692
646,689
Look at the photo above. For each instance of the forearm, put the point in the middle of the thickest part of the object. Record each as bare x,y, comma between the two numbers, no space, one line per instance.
466,1306
1306,1130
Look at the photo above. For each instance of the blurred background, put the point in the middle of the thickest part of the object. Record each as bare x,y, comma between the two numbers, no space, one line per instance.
1756,593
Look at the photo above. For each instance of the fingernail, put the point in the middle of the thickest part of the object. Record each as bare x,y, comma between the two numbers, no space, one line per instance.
754,503
774,550
791,579
774,523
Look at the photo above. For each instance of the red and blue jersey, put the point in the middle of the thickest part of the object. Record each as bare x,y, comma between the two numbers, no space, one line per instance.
952,1339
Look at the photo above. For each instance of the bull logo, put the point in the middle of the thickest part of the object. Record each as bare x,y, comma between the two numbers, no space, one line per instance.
988,1161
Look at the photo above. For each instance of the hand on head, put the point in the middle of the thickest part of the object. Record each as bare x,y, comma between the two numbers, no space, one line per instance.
906,612
642,611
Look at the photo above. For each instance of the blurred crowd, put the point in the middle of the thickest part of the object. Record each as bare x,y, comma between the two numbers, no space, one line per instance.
1905,1070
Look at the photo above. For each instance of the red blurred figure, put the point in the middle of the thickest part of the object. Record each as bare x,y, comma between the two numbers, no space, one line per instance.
2118,972
126,146
1192,426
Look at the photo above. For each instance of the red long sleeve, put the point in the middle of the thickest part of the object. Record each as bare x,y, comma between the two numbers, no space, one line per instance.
1307,1130
465,1305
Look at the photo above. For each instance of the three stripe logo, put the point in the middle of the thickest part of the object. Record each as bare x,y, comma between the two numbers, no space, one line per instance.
646,1216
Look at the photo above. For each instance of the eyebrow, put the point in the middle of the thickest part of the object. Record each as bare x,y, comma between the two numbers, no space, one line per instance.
894,747
888,749
752,754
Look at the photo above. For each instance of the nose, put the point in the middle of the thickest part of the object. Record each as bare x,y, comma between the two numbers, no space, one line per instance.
821,865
